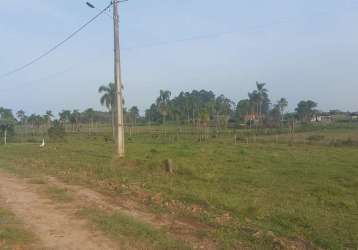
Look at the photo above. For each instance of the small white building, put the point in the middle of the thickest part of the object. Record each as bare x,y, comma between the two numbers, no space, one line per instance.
354,116
322,118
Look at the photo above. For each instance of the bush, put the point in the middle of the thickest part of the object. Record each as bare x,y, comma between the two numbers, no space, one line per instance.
315,138
57,132
341,143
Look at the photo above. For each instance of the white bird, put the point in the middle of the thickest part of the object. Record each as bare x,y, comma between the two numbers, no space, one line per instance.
43,143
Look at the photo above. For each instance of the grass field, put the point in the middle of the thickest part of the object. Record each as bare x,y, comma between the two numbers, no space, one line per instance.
245,192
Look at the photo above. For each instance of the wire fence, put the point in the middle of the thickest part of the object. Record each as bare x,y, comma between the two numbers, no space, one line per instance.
333,135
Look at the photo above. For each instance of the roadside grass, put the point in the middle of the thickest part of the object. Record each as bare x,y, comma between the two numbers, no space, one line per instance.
58,194
138,235
37,181
297,191
12,233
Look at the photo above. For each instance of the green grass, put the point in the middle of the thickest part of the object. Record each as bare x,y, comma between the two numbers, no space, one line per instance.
304,191
130,231
12,233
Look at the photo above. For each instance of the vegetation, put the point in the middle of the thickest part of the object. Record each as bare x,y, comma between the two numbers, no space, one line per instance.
252,173
108,99
7,122
134,233
58,194
304,191
12,233
57,132
305,110
198,109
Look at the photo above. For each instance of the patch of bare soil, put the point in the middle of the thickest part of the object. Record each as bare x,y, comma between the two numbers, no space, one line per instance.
183,229
55,228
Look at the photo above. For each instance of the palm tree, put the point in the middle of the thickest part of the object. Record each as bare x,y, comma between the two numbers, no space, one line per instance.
21,115
282,105
74,119
47,117
108,99
134,114
259,99
254,102
89,116
32,120
36,121
162,103
65,116
262,94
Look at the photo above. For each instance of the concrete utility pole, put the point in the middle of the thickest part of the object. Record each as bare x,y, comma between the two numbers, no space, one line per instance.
118,82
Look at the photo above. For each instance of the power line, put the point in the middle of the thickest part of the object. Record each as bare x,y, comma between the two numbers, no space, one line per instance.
94,7
57,45
57,74
177,41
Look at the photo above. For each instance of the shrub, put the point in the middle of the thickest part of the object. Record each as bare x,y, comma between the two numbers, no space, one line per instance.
57,132
315,138
341,143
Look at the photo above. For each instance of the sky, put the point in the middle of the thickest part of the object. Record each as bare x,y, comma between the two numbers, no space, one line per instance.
302,49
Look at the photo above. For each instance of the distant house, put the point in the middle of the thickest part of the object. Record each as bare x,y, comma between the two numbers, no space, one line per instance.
354,116
341,117
255,118
251,117
324,118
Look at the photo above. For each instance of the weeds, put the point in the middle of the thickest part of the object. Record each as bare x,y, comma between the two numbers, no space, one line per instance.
58,194
12,233
123,228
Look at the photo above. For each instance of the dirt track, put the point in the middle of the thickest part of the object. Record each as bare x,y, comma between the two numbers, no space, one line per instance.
55,228
57,225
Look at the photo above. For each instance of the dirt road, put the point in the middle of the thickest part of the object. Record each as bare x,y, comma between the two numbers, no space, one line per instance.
58,226
55,228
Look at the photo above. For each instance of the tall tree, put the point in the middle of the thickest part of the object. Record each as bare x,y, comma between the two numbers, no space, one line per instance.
275,116
189,107
254,100
243,109
305,110
65,116
21,115
134,114
108,99
36,121
89,114
47,117
75,120
7,122
163,104
260,96
282,105
152,114
264,98
223,109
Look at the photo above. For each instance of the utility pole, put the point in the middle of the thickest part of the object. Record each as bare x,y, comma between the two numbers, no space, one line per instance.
118,82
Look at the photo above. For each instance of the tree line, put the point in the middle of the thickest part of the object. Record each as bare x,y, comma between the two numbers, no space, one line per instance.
204,108
198,108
